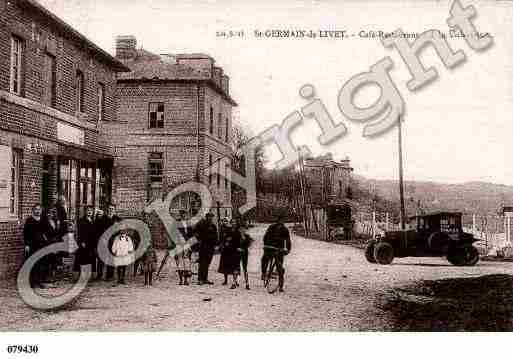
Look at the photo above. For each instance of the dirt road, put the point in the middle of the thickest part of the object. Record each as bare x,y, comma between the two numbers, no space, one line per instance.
328,287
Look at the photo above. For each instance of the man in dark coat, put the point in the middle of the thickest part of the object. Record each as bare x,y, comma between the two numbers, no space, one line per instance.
103,224
55,229
98,223
206,232
86,240
276,244
34,239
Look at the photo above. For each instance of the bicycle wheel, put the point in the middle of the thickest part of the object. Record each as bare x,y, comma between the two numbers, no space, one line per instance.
273,281
194,268
266,276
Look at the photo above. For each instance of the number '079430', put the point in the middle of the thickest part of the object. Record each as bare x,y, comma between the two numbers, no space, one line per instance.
22,349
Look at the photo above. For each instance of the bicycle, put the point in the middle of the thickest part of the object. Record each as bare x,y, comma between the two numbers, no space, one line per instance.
272,277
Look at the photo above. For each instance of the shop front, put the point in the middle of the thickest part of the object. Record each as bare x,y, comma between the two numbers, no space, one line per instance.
81,178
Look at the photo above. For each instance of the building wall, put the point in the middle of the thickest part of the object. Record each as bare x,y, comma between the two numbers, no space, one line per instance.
30,127
336,181
216,144
133,140
39,39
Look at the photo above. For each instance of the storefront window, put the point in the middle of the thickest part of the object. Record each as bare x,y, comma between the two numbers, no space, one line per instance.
86,186
83,184
102,187
68,170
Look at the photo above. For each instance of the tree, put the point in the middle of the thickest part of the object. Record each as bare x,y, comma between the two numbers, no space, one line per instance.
241,137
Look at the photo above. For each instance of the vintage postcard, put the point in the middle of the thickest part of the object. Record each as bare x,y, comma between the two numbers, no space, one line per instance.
256,166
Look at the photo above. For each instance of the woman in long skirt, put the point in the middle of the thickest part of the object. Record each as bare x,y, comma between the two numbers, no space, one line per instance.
233,254
226,234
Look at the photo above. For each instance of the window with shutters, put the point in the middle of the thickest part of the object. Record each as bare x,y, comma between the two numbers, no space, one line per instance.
101,101
218,173
9,182
226,171
80,90
16,65
211,126
50,85
220,125
209,169
156,115
14,184
227,130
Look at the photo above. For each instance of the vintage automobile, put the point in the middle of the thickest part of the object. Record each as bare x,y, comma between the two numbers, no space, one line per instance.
437,234
339,221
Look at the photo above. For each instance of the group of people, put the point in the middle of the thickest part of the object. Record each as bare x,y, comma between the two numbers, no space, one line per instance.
46,227
232,240
234,245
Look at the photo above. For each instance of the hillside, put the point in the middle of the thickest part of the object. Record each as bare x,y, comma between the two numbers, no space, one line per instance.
471,197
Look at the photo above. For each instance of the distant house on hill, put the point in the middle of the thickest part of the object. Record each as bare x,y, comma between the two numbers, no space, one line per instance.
328,180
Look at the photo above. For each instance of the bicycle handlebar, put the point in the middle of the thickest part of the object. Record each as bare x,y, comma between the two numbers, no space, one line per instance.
276,248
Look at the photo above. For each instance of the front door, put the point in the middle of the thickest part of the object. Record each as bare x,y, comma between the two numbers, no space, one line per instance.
83,183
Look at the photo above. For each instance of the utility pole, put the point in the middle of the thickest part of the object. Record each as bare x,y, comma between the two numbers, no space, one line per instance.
303,193
401,184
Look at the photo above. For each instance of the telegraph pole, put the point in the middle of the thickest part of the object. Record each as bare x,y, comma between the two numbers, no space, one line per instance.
401,183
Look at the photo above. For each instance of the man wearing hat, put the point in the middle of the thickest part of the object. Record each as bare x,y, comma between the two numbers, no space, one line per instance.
206,233
277,244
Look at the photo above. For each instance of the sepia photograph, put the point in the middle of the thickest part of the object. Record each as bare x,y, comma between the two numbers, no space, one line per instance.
253,167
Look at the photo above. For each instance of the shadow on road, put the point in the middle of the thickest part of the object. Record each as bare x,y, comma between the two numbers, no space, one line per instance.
458,304
423,265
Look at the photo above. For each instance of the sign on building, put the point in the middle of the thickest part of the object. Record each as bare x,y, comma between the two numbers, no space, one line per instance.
69,133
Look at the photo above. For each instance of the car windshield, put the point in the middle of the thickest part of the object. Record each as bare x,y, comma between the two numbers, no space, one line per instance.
449,225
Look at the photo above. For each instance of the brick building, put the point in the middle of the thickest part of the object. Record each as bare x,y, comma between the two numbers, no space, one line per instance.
173,122
56,88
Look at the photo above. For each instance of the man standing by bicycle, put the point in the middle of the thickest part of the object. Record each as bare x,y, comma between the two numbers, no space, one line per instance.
277,244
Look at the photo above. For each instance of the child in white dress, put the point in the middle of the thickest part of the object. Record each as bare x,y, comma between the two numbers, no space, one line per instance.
123,250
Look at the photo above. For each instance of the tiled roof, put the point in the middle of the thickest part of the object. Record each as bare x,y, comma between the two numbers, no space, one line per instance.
149,66
159,70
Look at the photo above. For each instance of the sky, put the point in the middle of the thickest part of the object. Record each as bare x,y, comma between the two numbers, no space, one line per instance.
457,129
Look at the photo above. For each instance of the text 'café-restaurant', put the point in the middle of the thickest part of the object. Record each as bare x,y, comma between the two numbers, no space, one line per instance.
56,88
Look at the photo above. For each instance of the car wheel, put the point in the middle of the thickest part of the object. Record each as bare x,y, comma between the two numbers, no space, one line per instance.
470,256
455,258
369,251
466,256
383,253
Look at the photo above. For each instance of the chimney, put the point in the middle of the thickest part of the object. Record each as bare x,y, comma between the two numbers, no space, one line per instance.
126,47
